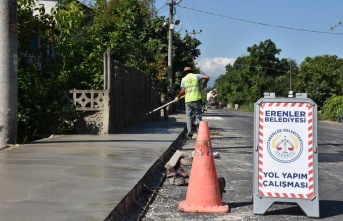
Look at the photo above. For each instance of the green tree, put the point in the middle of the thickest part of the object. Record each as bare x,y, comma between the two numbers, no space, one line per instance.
321,77
252,75
233,86
69,55
136,37
333,107
265,67
39,112
79,47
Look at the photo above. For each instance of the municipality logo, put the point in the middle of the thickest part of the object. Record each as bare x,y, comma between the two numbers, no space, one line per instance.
285,145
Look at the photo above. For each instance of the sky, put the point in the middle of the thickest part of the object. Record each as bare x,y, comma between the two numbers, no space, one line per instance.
226,28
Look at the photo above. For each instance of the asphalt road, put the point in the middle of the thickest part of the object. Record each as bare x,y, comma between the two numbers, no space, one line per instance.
232,137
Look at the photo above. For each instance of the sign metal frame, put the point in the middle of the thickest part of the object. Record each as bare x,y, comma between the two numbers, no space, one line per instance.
285,153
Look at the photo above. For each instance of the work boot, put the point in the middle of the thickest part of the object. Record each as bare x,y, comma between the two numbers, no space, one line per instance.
195,126
221,182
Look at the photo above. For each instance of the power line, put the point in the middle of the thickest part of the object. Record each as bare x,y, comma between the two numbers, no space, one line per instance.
252,66
189,18
180,16
196,15
265,24
164,6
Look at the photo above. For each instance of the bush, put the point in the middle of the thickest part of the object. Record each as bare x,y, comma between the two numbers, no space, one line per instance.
332,107
40,110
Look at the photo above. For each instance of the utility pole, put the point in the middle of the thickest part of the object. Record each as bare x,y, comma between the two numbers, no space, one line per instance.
170,46
8,72
290,93
171,26
290,75
193,33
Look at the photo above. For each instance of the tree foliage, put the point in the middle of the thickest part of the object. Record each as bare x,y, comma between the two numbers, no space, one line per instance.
333,107
250,76
38,109
133,35
321,77
72,40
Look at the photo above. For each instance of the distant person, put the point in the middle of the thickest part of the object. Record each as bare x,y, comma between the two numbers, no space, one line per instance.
191,86
208,97
204,103
212,97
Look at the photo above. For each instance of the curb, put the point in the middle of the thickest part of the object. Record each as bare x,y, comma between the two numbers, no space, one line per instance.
139,198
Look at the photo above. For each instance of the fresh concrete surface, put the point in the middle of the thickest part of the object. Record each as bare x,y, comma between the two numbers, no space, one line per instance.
80,177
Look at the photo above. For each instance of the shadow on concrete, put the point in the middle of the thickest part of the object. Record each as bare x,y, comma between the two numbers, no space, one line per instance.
292,209
330,157
220,129
330,208
104,141
223,137
239,204
327,208
331,144
224,148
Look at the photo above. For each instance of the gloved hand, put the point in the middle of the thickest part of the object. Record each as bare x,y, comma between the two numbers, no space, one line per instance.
177,99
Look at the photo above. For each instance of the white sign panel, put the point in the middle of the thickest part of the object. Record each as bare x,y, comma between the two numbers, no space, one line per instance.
285,150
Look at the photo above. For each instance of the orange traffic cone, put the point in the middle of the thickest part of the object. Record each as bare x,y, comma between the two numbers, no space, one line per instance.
203,193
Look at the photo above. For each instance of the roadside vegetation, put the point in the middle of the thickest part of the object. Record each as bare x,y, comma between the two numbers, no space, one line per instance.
63,50
260,71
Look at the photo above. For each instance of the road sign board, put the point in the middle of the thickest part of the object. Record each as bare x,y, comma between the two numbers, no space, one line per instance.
285,156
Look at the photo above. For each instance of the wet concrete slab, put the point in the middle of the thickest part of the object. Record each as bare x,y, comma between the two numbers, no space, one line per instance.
80,177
